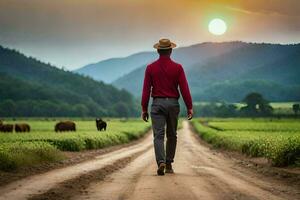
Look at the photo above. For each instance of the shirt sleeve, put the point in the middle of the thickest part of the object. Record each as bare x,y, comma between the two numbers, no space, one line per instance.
146,90
184,89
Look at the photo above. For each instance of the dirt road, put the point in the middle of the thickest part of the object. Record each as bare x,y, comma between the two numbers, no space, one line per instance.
200,173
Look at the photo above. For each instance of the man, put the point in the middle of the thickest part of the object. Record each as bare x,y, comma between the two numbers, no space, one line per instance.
162,79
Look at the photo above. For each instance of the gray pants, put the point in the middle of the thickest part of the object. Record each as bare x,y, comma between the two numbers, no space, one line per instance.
164,113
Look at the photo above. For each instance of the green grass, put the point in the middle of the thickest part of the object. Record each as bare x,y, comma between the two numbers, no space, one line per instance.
42,141
274,126
278,140
19,154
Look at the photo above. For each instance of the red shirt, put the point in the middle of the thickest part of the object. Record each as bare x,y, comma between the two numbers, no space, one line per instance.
162,79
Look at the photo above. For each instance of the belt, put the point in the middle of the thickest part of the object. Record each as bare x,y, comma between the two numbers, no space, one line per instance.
166,98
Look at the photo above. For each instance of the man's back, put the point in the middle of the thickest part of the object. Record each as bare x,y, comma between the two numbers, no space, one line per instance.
165,77
162,79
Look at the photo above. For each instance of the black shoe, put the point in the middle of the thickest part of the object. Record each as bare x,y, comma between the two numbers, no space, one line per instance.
169,168
161,169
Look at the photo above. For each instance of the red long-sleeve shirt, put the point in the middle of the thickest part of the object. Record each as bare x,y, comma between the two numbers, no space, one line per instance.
162,79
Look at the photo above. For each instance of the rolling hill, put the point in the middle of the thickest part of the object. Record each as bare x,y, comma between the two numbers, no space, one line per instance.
270,69
32,88
112,69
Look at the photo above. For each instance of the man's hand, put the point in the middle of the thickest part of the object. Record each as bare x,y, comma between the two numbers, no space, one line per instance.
190,114
145,116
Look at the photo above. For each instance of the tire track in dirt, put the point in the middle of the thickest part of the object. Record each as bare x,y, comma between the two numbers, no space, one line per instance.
122,182
78,185
41,183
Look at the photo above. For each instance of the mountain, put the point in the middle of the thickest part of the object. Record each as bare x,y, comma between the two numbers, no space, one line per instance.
112,69
271,69
32,88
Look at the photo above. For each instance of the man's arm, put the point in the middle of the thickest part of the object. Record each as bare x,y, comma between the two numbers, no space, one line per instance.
146,94
185,92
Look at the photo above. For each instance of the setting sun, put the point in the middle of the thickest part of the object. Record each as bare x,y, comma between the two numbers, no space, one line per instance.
217,27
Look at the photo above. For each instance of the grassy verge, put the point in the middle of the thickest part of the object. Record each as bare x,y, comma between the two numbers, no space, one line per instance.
20,154
277,141
42,144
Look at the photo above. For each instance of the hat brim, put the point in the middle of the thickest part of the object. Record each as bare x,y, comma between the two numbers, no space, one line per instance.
156,46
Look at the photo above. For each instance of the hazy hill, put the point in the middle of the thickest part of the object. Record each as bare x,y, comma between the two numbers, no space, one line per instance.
112,69
32,88
267,68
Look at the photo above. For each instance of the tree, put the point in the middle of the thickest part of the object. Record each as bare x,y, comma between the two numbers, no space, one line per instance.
256,105
253,99
265,109
296,108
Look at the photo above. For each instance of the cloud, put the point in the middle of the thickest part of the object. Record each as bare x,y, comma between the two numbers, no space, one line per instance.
288,8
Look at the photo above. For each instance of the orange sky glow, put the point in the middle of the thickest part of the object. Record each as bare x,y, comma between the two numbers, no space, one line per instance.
73,33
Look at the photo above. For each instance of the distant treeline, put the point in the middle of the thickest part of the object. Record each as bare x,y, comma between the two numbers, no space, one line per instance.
46,108
255,106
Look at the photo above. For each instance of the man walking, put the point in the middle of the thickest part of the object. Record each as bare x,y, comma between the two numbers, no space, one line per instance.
162,79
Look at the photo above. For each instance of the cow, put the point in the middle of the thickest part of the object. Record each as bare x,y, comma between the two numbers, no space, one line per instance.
6,128
101,125
22,128
65,126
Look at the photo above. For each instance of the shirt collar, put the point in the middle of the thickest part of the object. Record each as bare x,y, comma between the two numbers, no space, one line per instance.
164,57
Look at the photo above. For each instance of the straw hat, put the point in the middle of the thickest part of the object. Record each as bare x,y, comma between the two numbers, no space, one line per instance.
164,44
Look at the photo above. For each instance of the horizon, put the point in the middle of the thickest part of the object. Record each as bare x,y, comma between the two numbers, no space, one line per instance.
72,33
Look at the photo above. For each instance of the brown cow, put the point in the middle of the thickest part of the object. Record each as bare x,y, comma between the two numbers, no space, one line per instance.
6,128
22,128
65,126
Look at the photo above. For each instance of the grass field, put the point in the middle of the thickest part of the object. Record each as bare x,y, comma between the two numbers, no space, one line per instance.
42,144
277,140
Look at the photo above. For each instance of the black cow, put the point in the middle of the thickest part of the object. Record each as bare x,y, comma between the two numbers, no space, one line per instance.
101,125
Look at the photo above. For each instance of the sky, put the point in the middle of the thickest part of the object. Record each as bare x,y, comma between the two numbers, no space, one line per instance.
73,33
